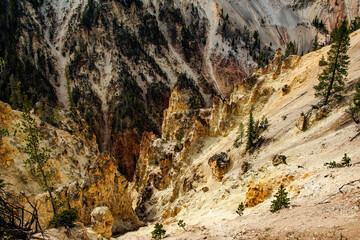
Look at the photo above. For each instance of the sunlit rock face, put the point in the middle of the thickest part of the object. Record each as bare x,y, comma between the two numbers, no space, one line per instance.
118,61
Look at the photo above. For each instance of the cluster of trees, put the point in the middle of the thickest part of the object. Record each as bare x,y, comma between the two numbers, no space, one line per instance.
319,24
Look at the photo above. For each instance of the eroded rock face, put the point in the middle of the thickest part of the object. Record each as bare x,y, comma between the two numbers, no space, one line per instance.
102,221
256,194
220,164
102,185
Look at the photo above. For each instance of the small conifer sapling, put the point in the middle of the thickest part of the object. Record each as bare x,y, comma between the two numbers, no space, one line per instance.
158,232
182,224
281,200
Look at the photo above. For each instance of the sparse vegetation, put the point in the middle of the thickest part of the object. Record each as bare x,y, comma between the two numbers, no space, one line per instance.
345,162
281,200
355,24
239,139
355,105
320,25
158,232
240,209
64,219
16,222
38,157
315,44
291,49
322,61
182,224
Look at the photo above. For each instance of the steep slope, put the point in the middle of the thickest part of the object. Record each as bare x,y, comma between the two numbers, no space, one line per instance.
83,178
174,181
117,61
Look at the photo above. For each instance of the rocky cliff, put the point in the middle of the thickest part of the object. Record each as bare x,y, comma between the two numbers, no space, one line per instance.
203,176
140,103
116,62
83,178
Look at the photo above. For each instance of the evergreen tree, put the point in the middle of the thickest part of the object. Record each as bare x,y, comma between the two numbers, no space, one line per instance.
346,161
16,98
331,80
355,24
315,43
291,49
281,200
251,133
322,61
241,132
158,232
355,108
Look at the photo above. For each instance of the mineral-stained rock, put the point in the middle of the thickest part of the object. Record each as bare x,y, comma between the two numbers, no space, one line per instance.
278,159
220,164
102,221
256,194
102,185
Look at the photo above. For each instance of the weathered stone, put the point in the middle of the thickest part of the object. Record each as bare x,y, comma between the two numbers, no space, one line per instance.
302,122
245,167
220,164
101,185
278,159
205,189
256,194
102,221
77,232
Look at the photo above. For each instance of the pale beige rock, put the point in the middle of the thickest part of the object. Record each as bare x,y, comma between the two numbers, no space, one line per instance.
102,221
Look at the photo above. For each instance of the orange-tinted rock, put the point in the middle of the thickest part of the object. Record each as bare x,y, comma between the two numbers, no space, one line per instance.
256,194
220,164
126,148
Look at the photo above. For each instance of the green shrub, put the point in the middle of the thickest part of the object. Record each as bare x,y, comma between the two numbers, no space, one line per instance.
158,232
345,162
64,219
281,200
322,62
240,209
182,224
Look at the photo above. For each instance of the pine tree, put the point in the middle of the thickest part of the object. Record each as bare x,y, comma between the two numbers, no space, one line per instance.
291,49
315,43
16,98
158,232
322,61
281,200
331,80
355,108
241,132
251,133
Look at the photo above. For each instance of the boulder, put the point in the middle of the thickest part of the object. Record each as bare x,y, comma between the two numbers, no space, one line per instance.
220,164
278,159
102,221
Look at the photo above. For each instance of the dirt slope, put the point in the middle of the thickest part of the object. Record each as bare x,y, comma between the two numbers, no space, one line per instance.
318,210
